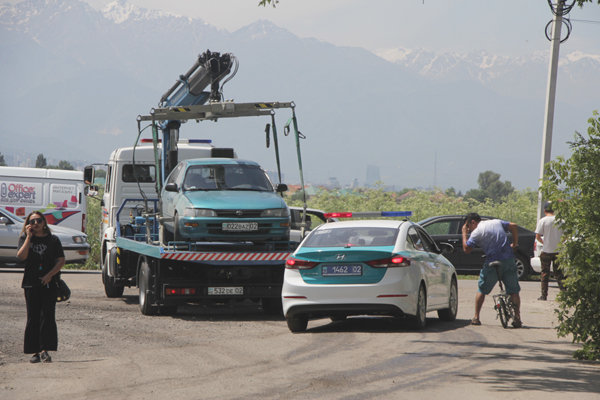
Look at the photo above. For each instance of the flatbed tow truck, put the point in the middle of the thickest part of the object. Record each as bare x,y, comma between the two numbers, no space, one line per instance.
170,273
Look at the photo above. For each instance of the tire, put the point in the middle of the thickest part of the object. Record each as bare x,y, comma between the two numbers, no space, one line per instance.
176,235
502,312
420,320
523,268
449,314
145,288
111,289
272,306
297,323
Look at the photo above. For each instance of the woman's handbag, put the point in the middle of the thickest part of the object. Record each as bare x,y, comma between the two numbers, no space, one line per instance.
63,293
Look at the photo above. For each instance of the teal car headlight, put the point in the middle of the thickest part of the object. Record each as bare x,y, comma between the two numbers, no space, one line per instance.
275,212
199,212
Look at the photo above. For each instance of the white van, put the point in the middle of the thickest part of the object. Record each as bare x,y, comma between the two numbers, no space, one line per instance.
58,194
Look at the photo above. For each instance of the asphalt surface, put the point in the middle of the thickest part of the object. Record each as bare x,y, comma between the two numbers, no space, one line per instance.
109,350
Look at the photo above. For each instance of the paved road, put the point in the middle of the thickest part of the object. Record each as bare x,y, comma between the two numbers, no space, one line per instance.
108,350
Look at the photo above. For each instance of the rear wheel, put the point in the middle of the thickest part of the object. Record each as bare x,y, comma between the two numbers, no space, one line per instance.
420,319
502,312
146,290
449,314
523,269
111,289
297,323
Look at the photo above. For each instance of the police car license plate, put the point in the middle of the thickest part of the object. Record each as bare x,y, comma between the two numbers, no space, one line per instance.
240,226
342,270
225,291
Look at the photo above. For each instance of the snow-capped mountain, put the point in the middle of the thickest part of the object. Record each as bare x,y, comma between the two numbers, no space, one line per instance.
74,78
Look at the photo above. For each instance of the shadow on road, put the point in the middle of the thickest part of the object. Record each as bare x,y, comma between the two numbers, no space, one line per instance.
560,372
385,325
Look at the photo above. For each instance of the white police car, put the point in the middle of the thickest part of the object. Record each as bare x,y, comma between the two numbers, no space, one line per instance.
368,267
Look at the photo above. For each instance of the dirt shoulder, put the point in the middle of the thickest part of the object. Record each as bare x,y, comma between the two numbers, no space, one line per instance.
108,350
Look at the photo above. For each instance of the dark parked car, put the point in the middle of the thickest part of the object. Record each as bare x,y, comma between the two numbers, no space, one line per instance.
448,229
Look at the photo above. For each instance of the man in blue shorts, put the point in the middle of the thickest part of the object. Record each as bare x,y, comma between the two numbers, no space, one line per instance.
490,235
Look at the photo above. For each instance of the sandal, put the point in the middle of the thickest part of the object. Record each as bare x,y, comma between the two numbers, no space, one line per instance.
475,321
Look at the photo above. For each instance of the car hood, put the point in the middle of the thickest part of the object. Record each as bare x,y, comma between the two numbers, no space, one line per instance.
235,199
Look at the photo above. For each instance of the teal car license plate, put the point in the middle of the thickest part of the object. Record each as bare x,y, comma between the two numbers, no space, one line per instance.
240,226
342,270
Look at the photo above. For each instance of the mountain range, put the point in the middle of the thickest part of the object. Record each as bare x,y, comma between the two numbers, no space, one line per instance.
74,80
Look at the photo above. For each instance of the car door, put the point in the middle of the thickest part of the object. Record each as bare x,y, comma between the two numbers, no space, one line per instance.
447,230
427,264
443,272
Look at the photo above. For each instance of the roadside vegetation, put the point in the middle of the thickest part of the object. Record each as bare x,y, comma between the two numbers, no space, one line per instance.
572,185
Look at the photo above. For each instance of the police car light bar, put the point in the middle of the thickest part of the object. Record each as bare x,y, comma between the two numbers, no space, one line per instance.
363,214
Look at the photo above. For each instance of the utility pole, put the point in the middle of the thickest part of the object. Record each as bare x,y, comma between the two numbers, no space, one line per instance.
550,97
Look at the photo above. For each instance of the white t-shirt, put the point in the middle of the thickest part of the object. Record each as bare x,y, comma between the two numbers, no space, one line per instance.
550,233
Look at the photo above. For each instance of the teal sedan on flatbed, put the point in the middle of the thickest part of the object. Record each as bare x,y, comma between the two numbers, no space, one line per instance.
224,200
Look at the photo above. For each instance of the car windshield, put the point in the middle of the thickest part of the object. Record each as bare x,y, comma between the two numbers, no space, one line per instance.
11,215
227,177
354,236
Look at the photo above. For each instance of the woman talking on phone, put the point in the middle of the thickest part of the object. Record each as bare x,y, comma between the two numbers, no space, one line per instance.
44,257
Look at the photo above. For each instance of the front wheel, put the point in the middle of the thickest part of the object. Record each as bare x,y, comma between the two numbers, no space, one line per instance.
449,314
111,289
297,323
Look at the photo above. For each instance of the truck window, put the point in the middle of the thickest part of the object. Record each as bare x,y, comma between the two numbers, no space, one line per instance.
108,179
143,173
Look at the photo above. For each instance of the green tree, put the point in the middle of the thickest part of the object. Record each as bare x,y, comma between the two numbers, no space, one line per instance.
40,162
490,187
2,162
62,165
572,185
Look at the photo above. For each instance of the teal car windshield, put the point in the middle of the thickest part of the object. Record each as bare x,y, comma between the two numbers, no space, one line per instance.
355,236
227,177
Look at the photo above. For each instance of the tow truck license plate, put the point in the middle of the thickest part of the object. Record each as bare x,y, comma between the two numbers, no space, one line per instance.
240,226
342,270
225,290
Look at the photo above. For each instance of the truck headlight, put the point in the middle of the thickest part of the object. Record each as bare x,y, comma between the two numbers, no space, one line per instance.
275,212
199,212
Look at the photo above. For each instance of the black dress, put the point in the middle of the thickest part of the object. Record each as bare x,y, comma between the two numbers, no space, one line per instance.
41,332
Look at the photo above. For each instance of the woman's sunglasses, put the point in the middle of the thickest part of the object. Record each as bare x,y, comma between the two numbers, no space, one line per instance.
33,221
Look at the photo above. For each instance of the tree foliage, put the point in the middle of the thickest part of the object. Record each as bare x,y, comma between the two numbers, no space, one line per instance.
573,186
40,162
62,164
490,187
2,162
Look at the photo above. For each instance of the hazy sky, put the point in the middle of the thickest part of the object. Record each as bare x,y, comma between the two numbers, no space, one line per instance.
507,27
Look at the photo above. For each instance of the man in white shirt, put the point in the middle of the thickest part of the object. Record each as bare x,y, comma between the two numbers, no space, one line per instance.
549,235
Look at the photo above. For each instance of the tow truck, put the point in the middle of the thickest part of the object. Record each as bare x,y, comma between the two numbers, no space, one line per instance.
136,248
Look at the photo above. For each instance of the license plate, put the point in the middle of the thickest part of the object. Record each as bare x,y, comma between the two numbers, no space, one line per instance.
240,226
225,290
342,270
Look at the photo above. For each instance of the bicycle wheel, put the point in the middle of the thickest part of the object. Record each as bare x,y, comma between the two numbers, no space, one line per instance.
503,313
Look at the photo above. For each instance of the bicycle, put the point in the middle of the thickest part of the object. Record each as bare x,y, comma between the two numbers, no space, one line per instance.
503,303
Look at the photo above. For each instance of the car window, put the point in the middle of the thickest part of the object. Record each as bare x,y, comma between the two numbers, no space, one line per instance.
227,177
428,244
173,175
444,227
415,239
355,236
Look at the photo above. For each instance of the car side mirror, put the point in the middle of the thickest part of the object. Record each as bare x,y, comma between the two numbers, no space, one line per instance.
171,187
281,187
446,248
3,220
88,175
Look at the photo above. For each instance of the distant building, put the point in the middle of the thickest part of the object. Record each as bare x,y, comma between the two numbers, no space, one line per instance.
354,184
333,183
372,175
